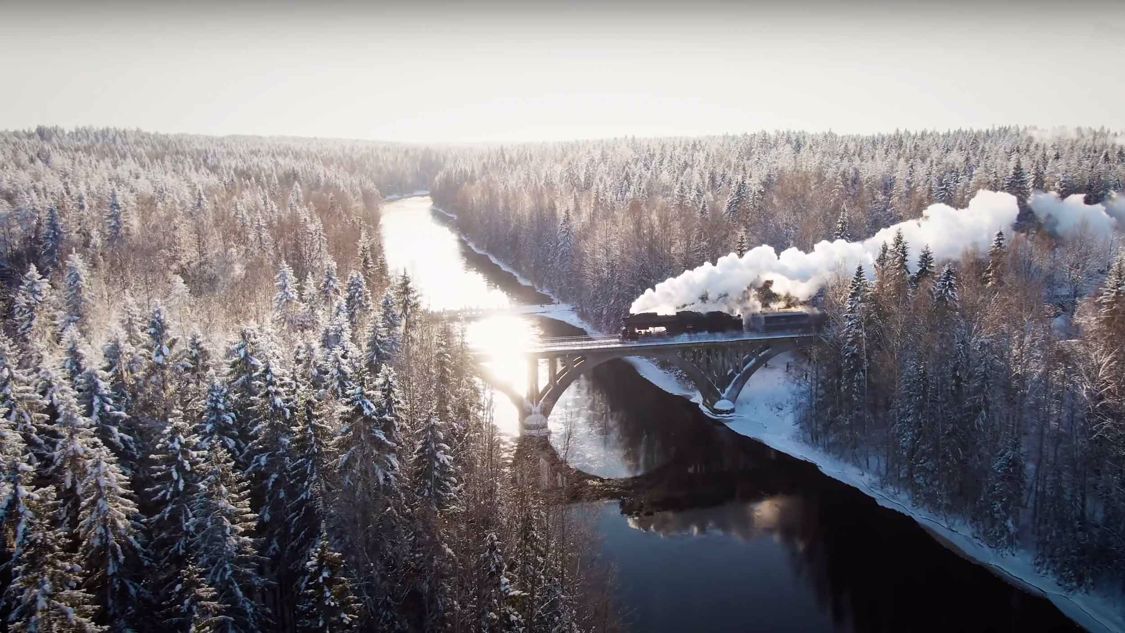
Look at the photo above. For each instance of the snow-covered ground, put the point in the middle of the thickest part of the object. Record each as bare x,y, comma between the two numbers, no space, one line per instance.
766,411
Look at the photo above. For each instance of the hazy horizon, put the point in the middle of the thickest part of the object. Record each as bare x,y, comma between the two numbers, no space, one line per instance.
503,72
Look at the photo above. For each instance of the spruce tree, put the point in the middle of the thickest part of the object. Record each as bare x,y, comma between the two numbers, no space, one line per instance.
392,327
194,604
274,414
358,300
925,268
330,285
434,484
22,406
222,528
76,298
1111,302
841,231
109,548
325,601
50,251
218,424
29,307
70,462
854,354
994,273
308,470
116,222
246,358
46,593
497,602
175,476
286,301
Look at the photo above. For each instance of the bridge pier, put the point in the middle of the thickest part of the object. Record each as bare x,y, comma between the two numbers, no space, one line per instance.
534,425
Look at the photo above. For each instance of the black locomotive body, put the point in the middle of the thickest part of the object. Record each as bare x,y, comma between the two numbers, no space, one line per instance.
645,324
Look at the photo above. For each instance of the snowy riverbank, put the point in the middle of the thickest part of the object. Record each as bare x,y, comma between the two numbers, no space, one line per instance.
767,412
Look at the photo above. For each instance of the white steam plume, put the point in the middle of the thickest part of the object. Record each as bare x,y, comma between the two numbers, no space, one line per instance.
728,283
1072,216
723,285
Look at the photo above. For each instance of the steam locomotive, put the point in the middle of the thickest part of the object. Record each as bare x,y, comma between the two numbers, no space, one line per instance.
645,324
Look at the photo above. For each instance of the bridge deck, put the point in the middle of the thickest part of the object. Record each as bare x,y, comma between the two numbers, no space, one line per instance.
588,345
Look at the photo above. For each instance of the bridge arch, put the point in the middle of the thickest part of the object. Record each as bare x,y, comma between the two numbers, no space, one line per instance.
751,367
554,390
565,365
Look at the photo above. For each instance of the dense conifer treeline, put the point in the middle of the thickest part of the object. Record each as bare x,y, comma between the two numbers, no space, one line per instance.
990,389
219,412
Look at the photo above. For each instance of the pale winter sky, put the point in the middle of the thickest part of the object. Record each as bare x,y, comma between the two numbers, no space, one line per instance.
515,71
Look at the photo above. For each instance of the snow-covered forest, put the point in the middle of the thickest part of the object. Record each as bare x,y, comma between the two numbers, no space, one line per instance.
218,412
989,388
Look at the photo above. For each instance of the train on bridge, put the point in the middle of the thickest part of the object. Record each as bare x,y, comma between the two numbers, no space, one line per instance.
650,324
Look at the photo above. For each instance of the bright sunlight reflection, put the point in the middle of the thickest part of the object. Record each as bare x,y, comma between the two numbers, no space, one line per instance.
430,253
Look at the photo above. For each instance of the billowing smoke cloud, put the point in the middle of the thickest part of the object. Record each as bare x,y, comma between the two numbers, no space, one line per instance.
728,284
1072,216
724,285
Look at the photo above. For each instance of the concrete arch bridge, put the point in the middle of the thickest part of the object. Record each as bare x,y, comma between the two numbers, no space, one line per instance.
718,366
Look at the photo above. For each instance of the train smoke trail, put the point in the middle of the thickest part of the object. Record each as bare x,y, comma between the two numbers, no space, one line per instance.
728,284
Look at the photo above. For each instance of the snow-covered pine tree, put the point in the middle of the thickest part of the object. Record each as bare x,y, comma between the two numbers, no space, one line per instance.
109,545
497,601
358,299
735,201
330,289
195,369
223,546
116,222
841,231
925,268
377,353
246,358
338,331
70,461
308,469
408,304
29,307
74,362
432,475
1002,496
16,471
287,308
325,602
76,297
50,247
45,592
175,469
371,262
854,355
268,455
1111,303
900,257
392,326
565,249
217,424
22,406
119,363
699,250
742,244
368,500
194,604
997,255
945,292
